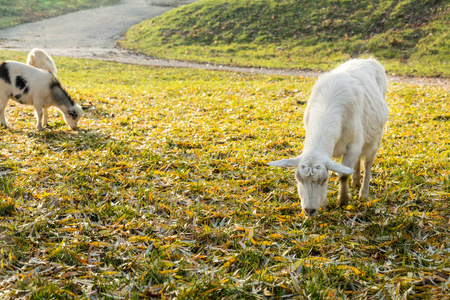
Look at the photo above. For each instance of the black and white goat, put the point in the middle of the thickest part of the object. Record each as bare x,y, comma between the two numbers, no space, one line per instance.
32,86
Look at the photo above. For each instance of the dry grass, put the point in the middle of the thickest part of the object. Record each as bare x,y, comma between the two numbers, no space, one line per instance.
164,192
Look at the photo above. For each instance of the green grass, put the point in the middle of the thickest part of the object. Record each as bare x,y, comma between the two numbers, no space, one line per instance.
15,12
165,192
408,36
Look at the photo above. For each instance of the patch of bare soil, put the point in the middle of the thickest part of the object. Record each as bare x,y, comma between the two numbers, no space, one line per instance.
93,33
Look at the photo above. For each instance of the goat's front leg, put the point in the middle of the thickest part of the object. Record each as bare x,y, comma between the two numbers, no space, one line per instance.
39,114
3,103
344,194
356,176
350,159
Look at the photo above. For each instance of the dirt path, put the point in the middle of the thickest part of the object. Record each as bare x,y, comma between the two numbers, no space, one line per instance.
86,33
92,34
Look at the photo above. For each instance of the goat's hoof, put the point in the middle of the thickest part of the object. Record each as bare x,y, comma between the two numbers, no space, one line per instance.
363,194
343,200
356,185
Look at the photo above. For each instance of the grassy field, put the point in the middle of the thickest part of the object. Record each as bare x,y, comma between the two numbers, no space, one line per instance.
14,12
164,192
410,37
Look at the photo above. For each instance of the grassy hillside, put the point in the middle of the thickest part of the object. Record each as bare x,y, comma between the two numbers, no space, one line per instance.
14,12
165,192
410,37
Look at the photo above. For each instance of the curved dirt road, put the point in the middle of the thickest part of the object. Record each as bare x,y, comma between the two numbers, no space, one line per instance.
84,33
92,34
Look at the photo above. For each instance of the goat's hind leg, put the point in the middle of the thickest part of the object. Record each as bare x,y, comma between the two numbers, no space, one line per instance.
3,103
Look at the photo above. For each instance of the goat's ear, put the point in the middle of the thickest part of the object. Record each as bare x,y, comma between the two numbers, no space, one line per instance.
332,166
287,163
73,113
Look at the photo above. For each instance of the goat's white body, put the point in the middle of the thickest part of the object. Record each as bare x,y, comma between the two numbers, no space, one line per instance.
33,86
40,59
347,106
345,116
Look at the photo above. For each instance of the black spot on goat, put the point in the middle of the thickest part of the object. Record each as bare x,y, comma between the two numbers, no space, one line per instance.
4,73
18,98
73,114
21,83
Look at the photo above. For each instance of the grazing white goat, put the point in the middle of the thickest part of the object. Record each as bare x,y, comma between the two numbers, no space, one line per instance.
345,116
32,86
40,59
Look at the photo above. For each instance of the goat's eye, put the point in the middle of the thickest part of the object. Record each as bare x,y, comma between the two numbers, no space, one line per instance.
298,177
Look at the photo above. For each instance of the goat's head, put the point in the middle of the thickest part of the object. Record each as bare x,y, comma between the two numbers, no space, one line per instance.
312,178
72,115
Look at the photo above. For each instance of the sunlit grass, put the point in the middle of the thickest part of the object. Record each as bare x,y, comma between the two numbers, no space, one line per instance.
164,191
409,37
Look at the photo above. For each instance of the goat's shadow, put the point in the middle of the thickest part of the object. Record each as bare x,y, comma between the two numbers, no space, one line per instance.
55,138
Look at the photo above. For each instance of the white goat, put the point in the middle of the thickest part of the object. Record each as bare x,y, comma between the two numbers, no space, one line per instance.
345,116
32,86
40,59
